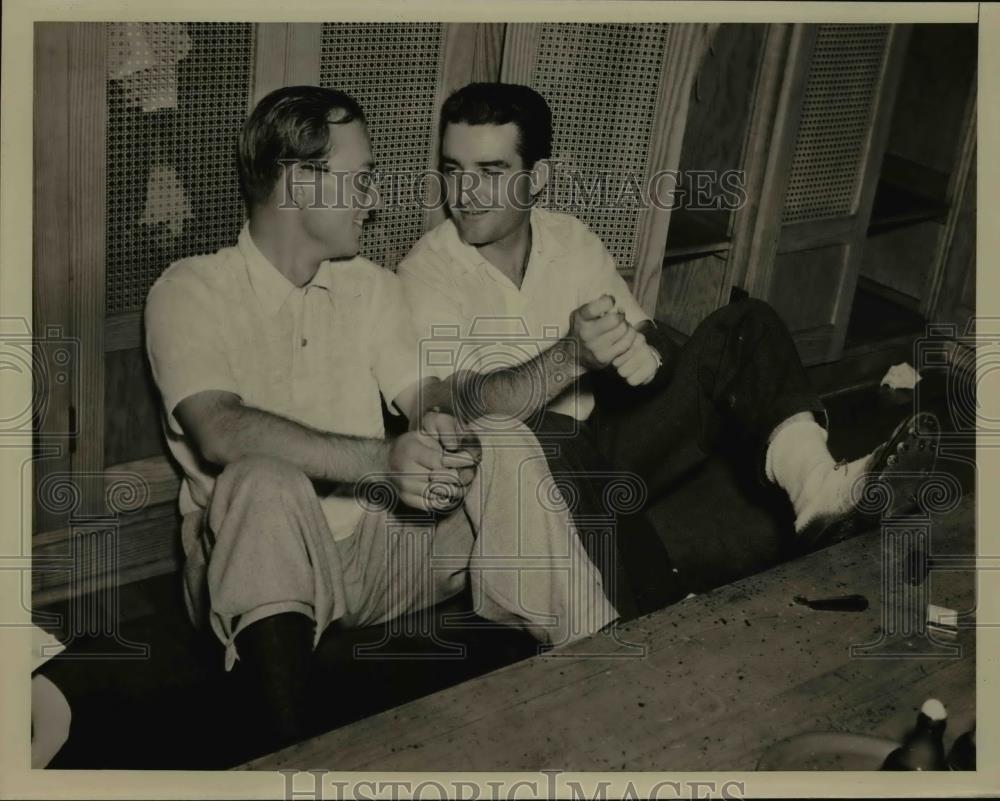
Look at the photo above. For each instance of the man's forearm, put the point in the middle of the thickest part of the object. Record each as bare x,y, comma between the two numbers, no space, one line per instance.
522,391
517,392
246,431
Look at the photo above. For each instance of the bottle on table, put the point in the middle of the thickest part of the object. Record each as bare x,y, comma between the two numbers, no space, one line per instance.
923,746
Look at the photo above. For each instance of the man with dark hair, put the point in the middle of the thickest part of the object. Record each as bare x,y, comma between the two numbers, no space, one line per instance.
271,357
660,411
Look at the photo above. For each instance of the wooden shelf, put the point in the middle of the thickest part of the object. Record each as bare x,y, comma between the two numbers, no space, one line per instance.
696,233
896,206
875,317
157,473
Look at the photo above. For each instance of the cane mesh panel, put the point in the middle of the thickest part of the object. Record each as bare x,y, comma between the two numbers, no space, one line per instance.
601,82
841,87
177,96
392,70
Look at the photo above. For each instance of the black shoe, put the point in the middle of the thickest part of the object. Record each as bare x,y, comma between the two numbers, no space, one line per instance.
889,488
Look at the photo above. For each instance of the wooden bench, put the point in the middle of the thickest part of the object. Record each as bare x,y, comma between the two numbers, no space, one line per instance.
707,684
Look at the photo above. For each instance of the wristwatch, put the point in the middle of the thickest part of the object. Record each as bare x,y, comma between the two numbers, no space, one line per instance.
656,355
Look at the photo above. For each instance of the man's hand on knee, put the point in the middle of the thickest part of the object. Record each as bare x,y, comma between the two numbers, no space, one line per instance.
453,437
459,445
427,475
601,333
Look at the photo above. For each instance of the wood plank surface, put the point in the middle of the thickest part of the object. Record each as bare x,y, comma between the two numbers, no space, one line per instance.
86,175
51,298
132,409
724,676
147,544
687,45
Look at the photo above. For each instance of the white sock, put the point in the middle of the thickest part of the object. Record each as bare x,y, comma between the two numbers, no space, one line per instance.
799,462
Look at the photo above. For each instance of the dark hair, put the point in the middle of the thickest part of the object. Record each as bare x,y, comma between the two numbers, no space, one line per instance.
500,103
288,123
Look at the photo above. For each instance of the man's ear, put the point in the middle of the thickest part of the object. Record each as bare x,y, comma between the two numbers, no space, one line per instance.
540,176
300,186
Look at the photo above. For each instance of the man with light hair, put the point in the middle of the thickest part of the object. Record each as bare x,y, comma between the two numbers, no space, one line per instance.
271,357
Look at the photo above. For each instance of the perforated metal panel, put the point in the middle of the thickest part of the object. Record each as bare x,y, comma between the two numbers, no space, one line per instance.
843,81
177,95
601,82
392,70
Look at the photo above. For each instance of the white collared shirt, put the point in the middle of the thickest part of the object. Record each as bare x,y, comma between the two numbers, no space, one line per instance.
319,354
469,315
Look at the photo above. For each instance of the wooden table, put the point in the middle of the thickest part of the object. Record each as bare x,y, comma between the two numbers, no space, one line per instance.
724,676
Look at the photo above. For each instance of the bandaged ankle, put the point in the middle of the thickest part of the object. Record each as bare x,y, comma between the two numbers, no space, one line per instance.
799,462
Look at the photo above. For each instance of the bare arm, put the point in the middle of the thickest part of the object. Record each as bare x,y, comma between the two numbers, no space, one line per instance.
520,391
224,430
596,338
512,392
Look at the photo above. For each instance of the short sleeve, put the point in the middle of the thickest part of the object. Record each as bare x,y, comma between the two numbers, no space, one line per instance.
183,343
396,356
606,280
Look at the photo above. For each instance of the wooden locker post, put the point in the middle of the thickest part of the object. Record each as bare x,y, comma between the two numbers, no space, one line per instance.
86,183
804,233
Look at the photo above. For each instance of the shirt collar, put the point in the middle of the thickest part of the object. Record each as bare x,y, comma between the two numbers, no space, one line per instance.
270,286
544,245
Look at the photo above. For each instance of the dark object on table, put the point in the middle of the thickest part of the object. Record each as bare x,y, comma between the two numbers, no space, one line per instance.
963,751
923,747
841,603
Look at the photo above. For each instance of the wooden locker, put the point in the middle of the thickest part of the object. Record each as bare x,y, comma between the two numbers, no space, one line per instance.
816,161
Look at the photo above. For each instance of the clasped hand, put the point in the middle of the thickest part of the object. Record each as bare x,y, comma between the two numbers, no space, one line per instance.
433,466
604,338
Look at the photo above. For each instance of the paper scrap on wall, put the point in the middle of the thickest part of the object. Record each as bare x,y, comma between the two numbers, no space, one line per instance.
166,201
144,57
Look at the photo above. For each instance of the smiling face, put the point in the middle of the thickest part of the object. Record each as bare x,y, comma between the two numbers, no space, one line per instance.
334,220
490,191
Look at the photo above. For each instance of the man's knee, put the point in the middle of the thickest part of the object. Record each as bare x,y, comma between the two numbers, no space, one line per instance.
758,312
748,315
255,519
265,474
258,485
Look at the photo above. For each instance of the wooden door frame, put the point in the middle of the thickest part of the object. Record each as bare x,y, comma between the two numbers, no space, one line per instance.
51,298
771,143
686,46
935,300
759,232
878,137
69,232
285,54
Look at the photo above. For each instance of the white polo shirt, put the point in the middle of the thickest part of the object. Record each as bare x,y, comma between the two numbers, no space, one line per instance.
469,315
319,355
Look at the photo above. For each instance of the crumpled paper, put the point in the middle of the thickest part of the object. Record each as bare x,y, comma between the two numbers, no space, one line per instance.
901,376
166,201
144,57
